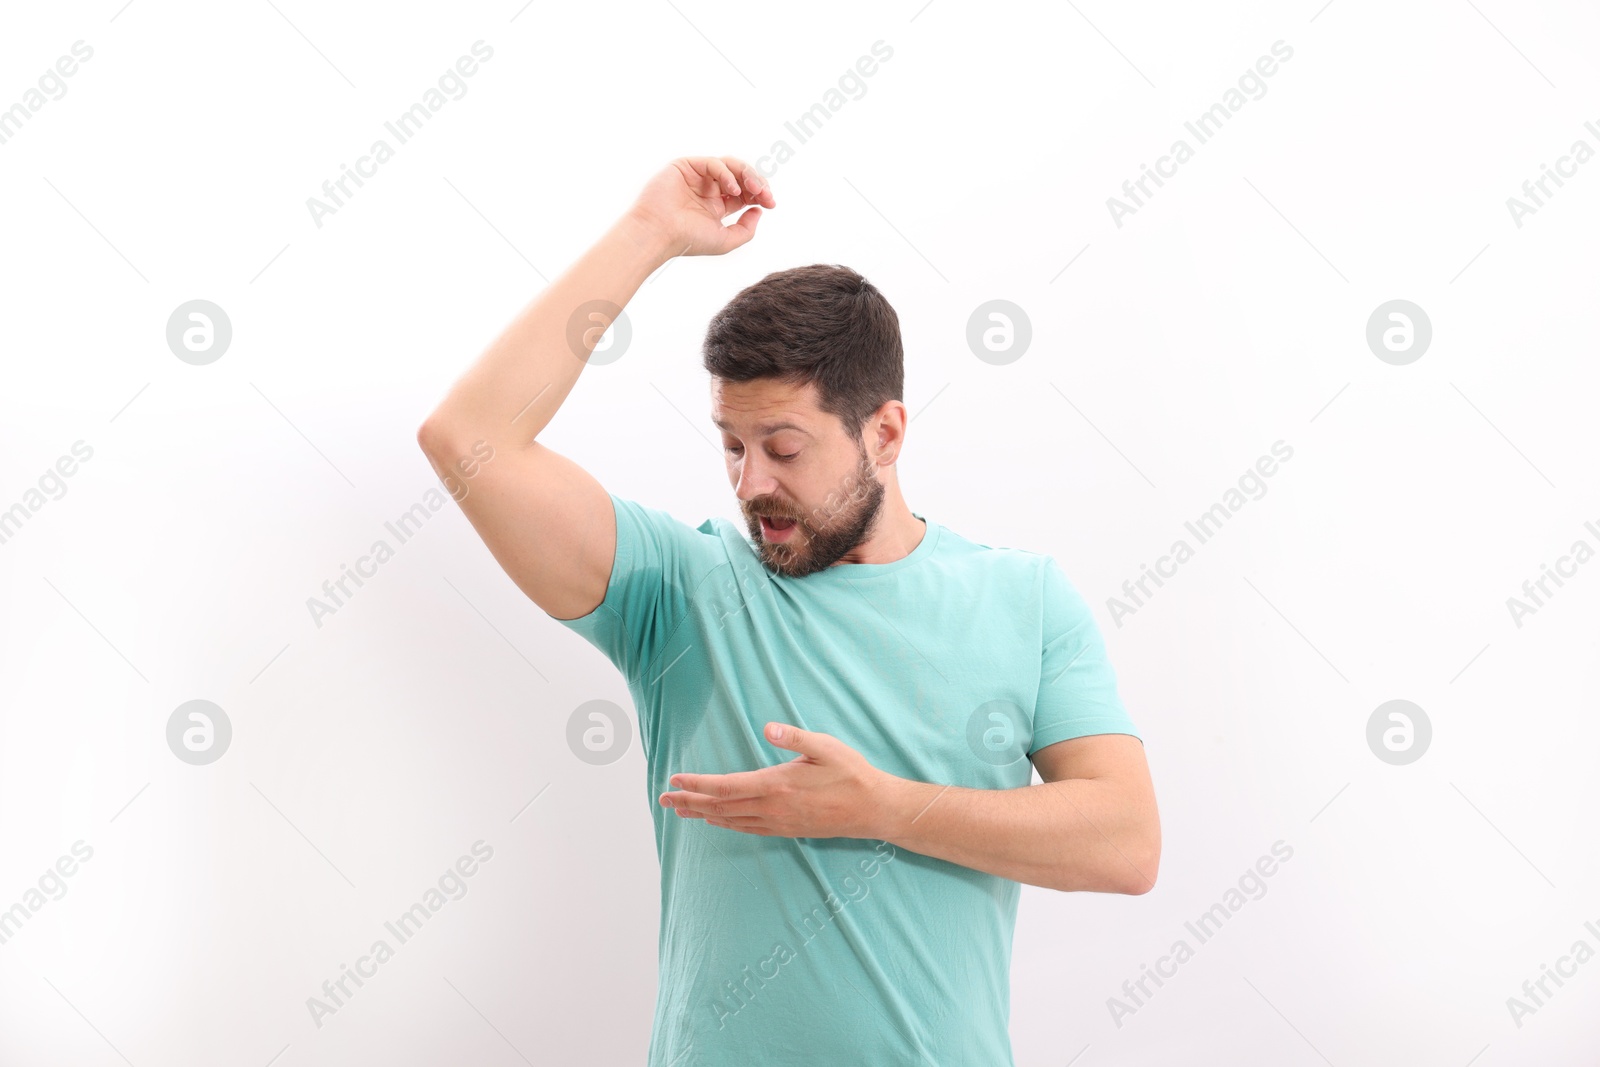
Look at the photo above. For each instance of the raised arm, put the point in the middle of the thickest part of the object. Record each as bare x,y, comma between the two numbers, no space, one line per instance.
546,520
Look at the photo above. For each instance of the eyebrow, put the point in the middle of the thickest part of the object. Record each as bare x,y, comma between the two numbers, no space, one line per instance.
767,429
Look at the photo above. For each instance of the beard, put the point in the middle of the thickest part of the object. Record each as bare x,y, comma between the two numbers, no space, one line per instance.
824,536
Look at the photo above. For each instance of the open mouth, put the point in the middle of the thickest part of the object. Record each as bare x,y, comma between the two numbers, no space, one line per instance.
776,529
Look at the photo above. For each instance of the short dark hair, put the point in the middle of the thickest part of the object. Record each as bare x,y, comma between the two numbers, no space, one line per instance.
823,323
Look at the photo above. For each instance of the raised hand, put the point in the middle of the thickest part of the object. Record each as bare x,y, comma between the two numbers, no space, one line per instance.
690,197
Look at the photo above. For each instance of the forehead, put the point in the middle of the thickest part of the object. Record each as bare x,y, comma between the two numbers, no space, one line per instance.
763,406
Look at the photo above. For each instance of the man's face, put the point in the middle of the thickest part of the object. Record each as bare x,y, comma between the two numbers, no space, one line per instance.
789,460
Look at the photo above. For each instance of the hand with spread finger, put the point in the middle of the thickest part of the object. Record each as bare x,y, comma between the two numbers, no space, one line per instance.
829,790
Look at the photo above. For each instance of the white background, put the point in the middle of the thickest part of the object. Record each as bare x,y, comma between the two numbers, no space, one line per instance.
1228,313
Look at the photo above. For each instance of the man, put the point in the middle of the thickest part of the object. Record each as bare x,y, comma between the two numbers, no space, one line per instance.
837,714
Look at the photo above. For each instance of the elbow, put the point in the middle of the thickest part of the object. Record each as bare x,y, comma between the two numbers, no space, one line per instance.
1138,885
1127,871
450,441
433,435
1142,862
426,433
1139,873
1135,870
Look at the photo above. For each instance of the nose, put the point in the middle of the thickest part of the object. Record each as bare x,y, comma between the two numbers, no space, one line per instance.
752,480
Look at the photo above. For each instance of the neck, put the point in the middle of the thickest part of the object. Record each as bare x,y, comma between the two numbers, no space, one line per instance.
896,535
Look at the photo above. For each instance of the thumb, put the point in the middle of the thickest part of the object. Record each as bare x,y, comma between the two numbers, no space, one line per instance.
805,742
742,230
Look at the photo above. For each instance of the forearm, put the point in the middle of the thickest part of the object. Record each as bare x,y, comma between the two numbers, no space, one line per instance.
511,393
1073,834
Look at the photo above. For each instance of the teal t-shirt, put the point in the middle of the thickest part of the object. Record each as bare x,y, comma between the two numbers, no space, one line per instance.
953,664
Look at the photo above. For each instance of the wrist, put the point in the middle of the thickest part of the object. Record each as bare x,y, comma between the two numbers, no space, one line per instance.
897,801
648,236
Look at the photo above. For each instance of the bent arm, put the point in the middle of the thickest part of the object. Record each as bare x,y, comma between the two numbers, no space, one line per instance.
1091,825
547,521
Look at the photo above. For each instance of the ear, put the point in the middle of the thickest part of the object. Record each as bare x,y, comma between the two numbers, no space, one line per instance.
891,431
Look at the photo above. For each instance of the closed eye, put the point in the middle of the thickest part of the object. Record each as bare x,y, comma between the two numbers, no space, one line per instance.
736,449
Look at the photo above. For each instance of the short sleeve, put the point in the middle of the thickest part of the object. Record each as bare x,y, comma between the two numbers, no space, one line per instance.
1077,687
659,561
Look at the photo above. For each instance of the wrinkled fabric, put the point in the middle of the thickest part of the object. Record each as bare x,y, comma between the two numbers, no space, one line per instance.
953,664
